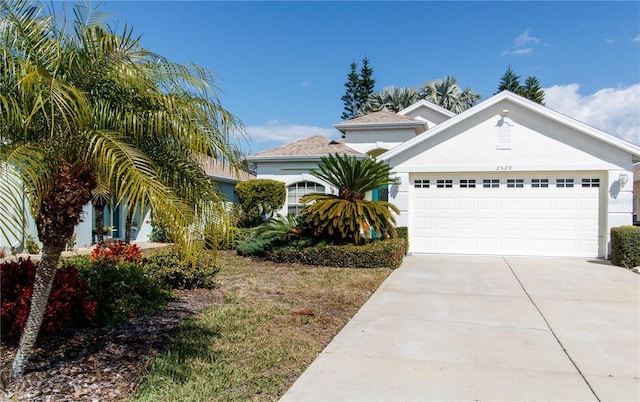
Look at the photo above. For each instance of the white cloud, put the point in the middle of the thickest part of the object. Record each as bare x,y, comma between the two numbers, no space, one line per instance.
636,39
283,132
522,43
522,51
609,41
613,110
524,39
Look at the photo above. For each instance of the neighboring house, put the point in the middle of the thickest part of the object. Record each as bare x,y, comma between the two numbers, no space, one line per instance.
226,178
115,217
507,176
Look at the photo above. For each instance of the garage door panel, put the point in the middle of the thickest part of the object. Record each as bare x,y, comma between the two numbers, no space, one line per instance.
524,220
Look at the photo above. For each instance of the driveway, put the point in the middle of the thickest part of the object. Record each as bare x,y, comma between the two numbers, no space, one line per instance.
487,328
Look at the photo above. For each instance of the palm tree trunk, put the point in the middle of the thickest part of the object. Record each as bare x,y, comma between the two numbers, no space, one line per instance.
45,274
127,226
98,206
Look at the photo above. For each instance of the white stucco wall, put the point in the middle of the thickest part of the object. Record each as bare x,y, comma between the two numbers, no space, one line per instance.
367,140
536,145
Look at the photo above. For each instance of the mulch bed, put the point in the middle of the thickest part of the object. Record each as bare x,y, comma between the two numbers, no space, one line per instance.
104,364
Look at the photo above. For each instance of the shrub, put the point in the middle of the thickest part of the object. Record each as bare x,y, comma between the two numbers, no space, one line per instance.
625,246
258,199
377,254
68,305
254,246
216,239
32,245
159,232
403,233
169,269
117,251
122,291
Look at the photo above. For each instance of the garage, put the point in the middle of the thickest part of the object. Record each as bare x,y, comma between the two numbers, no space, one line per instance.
512,177
510,213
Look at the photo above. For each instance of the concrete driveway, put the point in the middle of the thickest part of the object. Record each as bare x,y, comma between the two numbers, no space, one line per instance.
487,328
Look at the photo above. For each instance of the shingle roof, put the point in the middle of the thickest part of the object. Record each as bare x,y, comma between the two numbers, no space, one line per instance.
219,170
316,145
383,116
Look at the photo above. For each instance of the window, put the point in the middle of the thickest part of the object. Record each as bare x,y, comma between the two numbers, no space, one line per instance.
445,183
491,183
467,183
420,183
539,183
590,182
515,183
564,183
296,191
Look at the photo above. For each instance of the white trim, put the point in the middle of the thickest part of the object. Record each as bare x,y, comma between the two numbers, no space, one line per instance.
583,128
427,104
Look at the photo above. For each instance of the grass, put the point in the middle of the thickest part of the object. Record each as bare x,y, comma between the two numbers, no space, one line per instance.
252,347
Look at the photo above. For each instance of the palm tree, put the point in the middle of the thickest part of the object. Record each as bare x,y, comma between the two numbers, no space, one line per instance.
447,94
86,106
392,98
347,216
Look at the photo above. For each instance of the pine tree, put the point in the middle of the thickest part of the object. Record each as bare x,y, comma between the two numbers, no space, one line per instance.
359,88
531,90
510,81
366,84
350,98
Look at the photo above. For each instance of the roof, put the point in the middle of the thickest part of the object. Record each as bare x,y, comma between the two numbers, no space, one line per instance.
534,107
221,171
308,148
382,119
429,105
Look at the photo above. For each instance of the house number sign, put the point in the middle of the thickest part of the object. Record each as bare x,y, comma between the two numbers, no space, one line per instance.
504,167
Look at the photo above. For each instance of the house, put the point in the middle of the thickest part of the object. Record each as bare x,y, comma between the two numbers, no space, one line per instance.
114,217
507,176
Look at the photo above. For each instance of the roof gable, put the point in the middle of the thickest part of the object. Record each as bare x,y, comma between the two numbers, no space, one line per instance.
509,99
383,119
312,147
422,106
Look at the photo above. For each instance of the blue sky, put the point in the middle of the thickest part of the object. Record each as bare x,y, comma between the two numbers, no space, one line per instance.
283,65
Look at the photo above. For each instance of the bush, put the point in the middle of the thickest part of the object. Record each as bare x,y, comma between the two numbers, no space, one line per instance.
32,245
117,251
625,246
215,239
259,198
159,232
403,233
377,254
255,246
168,269
122,291
68,305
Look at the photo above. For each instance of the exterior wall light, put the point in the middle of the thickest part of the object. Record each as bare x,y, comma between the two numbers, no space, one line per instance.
623,179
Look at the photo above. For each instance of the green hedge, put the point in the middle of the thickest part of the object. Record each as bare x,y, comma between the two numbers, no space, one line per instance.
378,254
403,233
625,246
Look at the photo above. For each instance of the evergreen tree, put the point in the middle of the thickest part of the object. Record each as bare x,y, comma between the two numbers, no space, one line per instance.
531,90
366,84
350,98
359,88
510,81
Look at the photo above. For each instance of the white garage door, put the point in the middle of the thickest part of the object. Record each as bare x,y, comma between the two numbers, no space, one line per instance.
506,213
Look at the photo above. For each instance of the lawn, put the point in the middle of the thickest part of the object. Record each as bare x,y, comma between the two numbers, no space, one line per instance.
274,321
